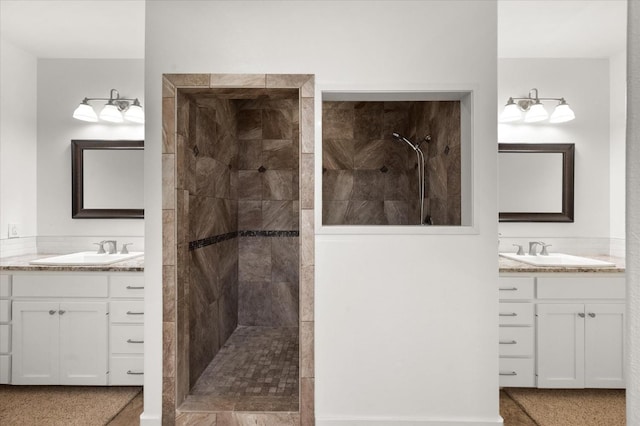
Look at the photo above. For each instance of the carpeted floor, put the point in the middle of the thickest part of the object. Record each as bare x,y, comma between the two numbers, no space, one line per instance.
63,405
563,407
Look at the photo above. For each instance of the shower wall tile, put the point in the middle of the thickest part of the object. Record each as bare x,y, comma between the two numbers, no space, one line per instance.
368,212
396,186
238,80
249,185
287,80
306,293
254,303
254,259
307,409
307,125
188,80
307,237
337,154
368,120
368,185
168,400
276,123
182,216
277,215
335,212
306,348
205,182
169,294
206,132
250,215
306,183
277,185
168,89
337,185
249,124
277,154
168,125
338,120
168,237
168,181
284,259
284,304
169,349
396,212
249,154
369,154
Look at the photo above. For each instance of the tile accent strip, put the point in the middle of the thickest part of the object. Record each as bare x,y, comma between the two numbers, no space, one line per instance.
193,245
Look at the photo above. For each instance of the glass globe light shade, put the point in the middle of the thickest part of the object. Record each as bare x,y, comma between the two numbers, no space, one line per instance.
536,113
135,113
562,113
511,112
85,112
111,113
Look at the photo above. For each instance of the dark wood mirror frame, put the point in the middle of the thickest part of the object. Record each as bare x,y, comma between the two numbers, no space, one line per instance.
78,211
568,159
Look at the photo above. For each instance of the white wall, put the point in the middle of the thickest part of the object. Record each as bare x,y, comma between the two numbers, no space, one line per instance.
18,139
584,83
62,84
617,134
397,338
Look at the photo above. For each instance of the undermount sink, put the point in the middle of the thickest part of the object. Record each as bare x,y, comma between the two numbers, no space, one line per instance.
86,258
558,259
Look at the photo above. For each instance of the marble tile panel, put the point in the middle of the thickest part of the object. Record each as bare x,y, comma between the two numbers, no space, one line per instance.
438,210
338,123
277,154
396,118
206,130
277,185
168,181
168,90
307,406
222,180
204,341
169,349
306,349
437,178
368,120
228,261
168,125
249,154
168,400
169,294
307,125
233,183
229,309
284,304
188,80
295,186
369,154
334,212
287,80
183,115
337,154
201,221
183,272
396,212
204,282
238,80
396,185
295,216
337,185
277,215
276,124
250,215
182,216
308,88
368,185
307,181
168,237
398,155
307,232
249,124
285,259
196,419
181,167
306,293
254,259
249,185
366,212
254,303
205,180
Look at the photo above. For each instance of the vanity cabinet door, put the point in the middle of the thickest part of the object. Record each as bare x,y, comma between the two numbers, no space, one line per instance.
35,343
560,356
604,345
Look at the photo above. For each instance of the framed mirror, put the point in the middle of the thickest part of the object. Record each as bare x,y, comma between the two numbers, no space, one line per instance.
107,179
535,182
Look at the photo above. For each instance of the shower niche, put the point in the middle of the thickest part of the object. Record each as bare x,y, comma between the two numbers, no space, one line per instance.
387,160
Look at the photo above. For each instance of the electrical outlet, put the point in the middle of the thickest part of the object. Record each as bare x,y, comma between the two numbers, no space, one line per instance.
13,230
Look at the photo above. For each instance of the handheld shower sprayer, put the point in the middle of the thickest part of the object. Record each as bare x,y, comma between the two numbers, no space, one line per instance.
421,177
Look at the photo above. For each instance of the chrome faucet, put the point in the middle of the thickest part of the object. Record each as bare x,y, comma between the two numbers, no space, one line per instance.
532,247
112,246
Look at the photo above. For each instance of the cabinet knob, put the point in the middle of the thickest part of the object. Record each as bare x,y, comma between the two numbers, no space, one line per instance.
592,315
52,312
508,373
61,311
508,342
581,315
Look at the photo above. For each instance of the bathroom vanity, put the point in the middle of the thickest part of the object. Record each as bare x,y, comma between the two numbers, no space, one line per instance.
561,327
71,325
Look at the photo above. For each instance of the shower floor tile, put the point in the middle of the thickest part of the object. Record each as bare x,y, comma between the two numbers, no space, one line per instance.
256,369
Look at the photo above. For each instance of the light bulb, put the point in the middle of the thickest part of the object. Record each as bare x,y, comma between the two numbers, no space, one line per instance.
135,113
111,113
85,112
562,113
536,113
511,112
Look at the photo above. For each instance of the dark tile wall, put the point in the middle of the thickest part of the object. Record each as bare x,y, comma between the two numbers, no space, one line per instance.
268,164
369,178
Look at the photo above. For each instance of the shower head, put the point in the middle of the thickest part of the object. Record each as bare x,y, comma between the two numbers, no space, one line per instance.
399,137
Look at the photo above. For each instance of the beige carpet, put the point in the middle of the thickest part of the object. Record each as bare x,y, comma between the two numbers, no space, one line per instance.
572,407
62,405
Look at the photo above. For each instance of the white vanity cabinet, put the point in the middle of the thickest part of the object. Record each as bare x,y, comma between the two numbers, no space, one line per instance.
5,329
577,337
63,331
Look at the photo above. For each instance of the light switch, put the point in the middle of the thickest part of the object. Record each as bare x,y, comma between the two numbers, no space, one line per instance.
13,230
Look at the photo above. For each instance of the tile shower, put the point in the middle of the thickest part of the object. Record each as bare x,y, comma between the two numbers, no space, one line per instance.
239,336
371,179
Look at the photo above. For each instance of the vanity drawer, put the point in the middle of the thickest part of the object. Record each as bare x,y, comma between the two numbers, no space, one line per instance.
516,341
5,338
517,372
515,288
5,285
127,286
5,311
581,288
126,371
515,313
54,285
126,339
131,312
5,369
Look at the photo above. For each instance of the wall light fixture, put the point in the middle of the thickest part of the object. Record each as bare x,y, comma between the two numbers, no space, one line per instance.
116,110
532,110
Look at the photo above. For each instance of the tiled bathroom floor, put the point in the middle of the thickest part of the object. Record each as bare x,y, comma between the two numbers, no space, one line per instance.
256,369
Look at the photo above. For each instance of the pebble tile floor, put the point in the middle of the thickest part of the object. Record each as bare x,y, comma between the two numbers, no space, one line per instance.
256,369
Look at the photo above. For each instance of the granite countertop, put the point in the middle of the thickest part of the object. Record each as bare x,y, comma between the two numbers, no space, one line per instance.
21,263
509,265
